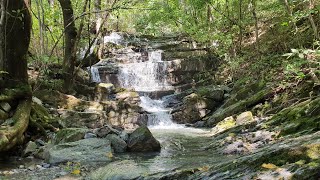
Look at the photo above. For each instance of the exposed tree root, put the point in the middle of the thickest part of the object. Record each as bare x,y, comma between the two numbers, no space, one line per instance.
11,136
15,93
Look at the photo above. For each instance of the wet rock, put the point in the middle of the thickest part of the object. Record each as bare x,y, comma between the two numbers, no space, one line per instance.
117,144
142,140
86,150
192,109
70,135
89,135
244,118
199,124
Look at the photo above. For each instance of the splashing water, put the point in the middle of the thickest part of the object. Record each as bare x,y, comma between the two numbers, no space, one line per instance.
145,76
150,76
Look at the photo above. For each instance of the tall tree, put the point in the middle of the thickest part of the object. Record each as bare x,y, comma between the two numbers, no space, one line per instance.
70,41
15,31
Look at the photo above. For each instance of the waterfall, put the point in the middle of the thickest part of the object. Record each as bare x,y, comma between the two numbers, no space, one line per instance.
145,76
95,76
149,76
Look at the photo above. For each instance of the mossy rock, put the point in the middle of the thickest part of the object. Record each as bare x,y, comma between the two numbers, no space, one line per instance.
301,118
238,107
70,135
244,91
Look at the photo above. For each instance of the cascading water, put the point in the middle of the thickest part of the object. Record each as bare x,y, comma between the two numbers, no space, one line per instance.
95,76
145,76
149,76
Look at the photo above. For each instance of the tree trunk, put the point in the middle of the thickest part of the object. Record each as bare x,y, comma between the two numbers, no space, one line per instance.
15,43
312,22
2,37
254,14
70,40
17,29
240,24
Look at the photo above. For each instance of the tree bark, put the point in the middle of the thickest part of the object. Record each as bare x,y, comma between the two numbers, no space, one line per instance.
16,32
17,29
70,40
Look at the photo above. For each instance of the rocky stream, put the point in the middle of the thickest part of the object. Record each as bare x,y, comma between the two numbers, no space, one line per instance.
153,116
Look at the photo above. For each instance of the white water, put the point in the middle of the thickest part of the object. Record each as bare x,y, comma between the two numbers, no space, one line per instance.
114,38
145,76
95,76
149,76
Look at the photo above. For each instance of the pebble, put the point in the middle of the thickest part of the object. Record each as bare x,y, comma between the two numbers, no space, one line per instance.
21,166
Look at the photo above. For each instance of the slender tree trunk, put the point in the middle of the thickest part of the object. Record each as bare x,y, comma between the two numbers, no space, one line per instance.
254,14
312,22
70,40
2,37
97,7
240,24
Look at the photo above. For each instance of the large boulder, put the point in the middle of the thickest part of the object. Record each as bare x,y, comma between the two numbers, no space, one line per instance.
86,150
193,109
142,140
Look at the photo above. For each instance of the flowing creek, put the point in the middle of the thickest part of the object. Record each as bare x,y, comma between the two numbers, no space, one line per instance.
180,144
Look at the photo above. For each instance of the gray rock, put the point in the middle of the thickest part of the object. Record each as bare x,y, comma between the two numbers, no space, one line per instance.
117,144
124,136
102,132
70,135
105,130
86,150
142,140
199,124
30,149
